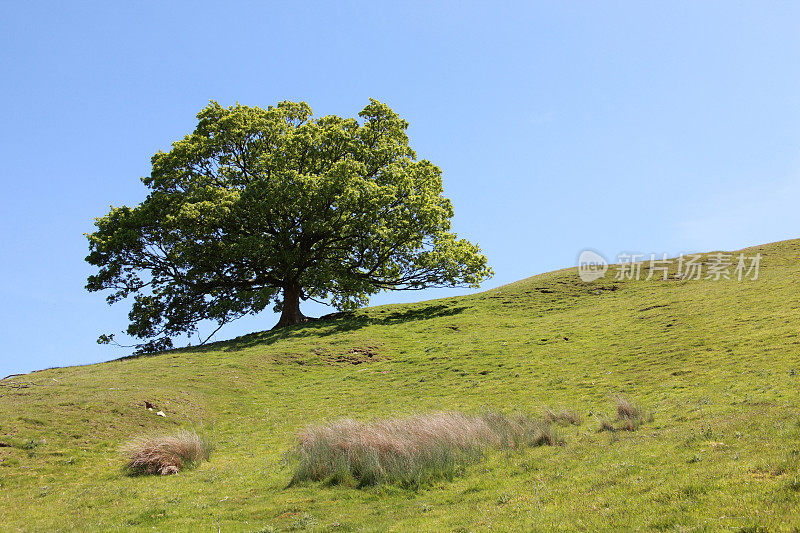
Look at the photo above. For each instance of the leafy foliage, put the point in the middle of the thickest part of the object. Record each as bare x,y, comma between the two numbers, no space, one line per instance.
261,206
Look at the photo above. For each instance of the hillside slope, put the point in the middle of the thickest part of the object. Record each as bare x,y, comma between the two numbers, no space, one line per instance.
718,363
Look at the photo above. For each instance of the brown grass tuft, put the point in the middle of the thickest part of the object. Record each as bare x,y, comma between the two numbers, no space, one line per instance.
563,416
166,454
630,414
626,410
606,425
410,451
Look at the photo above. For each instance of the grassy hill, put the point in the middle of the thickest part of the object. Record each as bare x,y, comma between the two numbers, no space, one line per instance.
717,362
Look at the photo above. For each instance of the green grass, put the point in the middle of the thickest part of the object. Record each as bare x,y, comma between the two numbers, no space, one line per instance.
717,364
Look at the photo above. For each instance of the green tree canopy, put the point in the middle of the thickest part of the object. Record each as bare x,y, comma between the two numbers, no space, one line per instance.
261,206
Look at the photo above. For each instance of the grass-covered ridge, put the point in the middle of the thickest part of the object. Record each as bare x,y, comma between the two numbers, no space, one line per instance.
717,364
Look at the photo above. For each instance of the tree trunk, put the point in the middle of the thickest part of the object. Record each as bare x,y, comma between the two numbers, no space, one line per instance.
291,314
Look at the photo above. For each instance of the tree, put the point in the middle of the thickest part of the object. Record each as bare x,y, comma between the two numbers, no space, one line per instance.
261,206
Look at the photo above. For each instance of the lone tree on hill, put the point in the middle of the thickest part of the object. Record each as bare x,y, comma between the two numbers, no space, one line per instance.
261,206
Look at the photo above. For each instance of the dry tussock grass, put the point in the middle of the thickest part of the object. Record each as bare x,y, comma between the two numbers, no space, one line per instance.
629,416
411,450
563,416
167,454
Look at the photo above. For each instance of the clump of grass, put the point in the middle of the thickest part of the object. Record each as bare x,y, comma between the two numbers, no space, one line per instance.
409,451
519,431
563,416
167,454
605,424
629,416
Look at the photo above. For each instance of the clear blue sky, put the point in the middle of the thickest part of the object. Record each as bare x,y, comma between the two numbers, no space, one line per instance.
621,126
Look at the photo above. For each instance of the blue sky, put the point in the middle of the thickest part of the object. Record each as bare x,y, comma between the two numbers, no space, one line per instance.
619,126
